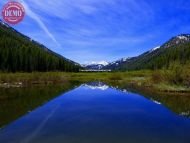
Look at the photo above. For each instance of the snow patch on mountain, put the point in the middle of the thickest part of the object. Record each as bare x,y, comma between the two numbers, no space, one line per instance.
125,59
182,37
154,49
104,63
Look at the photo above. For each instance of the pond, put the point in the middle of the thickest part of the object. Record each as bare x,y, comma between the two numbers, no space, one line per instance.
97,113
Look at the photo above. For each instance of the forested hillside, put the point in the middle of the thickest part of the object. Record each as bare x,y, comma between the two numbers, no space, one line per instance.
176,50
161,58
20,53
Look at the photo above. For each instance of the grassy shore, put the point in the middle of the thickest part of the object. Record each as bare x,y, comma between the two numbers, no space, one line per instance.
155,81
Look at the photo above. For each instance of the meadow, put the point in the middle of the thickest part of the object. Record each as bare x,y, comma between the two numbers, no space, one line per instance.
173,80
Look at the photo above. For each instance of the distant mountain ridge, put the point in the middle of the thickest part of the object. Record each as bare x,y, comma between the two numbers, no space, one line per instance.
21,53
180,39
176,49
95,65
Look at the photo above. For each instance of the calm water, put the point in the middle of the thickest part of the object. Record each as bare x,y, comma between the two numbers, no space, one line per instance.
96,113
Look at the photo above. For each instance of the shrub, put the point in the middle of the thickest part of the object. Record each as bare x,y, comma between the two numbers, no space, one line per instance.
157,77
176,74
115,76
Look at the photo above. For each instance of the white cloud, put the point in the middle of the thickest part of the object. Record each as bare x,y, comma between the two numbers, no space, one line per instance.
79,27
34,16
108,41
66,9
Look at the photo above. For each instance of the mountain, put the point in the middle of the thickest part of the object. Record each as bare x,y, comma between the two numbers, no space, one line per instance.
95,65
115,64
153,49
20,53
178,40
177,49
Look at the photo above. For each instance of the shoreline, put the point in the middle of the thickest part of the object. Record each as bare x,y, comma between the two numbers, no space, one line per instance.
137,79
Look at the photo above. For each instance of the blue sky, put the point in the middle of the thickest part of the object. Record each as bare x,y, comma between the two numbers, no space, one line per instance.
97,30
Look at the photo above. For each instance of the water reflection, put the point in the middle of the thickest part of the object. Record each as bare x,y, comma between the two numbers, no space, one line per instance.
92,115
155,101
180,104
96,85
15,102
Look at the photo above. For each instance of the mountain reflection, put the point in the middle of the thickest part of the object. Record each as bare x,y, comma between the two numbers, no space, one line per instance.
96,85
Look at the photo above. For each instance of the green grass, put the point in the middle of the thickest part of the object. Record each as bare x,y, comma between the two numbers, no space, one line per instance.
160,80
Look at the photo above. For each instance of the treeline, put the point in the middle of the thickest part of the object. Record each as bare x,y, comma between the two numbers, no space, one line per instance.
20,54
160,59
166,57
